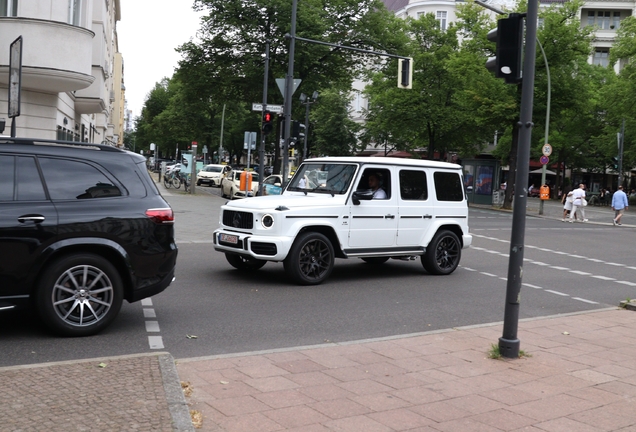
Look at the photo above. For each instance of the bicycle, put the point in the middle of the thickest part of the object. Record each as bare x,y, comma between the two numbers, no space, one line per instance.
171,180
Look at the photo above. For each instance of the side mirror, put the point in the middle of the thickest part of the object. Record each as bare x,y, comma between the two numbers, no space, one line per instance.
277,184
363,195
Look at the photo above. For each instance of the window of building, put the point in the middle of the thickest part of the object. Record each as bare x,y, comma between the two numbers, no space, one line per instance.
604,20
74,11
440,16
601,57
8,8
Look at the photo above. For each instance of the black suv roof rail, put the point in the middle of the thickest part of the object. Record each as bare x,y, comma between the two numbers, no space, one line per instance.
58,143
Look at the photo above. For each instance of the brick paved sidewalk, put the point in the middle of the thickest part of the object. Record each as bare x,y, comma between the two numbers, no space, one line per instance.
127,393
580,376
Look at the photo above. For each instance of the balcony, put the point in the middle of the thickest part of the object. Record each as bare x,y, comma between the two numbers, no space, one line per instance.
56,57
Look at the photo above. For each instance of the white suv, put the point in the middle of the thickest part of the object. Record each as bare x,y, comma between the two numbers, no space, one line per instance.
328,211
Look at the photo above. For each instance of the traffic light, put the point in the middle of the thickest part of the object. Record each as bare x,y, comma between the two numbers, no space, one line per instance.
298,131
268,122
405,73
509,39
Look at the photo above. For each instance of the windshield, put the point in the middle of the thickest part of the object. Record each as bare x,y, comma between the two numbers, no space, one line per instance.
326,178
215,169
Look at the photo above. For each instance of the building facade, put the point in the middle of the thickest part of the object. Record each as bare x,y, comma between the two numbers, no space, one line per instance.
72,81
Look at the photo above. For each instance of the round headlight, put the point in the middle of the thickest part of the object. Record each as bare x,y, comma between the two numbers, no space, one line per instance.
267,221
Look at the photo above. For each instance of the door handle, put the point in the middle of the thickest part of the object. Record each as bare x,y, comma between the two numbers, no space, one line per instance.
31,218
389,216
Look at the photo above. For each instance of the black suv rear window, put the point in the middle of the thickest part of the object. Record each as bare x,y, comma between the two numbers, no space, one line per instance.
70,180
448,186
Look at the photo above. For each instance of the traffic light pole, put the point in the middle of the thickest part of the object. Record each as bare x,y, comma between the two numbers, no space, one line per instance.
289,90
261,149
509,342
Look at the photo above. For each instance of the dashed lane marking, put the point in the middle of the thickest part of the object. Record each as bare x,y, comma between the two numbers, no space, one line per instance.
152,326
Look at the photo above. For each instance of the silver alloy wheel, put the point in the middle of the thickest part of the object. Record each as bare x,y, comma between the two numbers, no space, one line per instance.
82,295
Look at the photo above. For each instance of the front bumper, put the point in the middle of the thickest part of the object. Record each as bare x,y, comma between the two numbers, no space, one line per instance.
268,248
467,240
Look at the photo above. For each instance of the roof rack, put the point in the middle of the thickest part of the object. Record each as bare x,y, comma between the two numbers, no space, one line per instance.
60,143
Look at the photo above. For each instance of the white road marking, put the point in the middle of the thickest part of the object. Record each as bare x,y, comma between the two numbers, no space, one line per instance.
558,293
152,326
150,313
155,342
584,300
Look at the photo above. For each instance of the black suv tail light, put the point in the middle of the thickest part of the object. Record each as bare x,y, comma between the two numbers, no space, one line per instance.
161,215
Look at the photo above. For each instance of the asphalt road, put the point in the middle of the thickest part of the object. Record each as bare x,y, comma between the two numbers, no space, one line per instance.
212,308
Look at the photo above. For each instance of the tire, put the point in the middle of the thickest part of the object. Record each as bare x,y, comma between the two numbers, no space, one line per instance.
79,295
242,262
223,192
442,254
310,259
375,260
167,183
176,183
198,183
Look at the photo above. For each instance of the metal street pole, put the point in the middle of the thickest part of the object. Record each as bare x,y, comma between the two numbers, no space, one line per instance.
289,90
620,154
261,149
221,136
547,119
509,343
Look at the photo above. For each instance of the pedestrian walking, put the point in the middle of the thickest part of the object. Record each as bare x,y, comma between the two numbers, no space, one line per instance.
579,202
619,205
567,205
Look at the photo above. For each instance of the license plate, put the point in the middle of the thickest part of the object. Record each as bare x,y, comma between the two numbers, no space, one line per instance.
228,238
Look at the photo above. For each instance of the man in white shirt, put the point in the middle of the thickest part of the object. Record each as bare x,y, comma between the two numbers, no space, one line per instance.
374,184
577,205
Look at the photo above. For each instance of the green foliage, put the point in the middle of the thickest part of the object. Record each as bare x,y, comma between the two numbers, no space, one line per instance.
334,133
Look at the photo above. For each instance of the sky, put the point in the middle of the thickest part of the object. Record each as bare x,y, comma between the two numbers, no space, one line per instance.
148,32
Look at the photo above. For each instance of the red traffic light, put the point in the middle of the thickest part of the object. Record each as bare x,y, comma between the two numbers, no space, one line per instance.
268,120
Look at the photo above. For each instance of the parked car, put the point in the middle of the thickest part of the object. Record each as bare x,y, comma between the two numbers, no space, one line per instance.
272,185
82,227
231,185
212,174
328,211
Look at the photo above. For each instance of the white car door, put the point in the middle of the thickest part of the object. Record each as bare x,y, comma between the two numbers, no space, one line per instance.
415,204
374,222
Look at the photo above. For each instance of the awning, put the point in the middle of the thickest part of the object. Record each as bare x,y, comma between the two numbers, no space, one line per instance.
540,171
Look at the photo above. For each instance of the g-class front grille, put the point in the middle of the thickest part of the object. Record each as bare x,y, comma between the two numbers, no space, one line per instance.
238,219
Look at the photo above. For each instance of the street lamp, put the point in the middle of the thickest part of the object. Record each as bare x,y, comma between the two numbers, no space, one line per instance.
304,100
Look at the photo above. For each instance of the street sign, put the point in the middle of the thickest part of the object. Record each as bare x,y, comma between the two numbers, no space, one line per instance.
278,109
547,150
249,141
544,160
280,82
205,149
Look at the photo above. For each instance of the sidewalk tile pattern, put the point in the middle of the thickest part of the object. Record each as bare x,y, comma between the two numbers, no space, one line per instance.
126,394
580,375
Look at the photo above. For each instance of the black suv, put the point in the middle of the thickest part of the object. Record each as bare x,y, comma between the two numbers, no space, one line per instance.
82,227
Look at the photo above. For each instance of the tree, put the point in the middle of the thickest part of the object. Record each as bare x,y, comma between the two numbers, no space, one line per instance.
333,131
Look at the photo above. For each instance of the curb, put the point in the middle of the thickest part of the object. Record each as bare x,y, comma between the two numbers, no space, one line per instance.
179,410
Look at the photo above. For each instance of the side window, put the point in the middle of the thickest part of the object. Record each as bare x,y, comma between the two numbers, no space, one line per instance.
448,186
70,180
376,179
8,183
29,183
413,185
